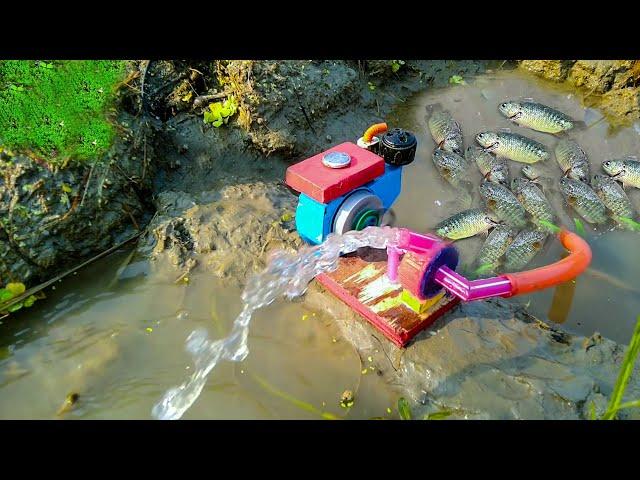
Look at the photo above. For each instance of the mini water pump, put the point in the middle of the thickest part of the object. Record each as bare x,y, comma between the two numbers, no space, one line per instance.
404,288
351,186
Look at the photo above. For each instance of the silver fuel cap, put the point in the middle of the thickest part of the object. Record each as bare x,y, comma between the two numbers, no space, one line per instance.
336,160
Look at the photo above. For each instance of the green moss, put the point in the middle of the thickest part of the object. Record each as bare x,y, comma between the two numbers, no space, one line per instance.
58,108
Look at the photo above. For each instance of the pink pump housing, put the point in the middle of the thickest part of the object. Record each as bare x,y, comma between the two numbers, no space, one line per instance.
423,266
425,247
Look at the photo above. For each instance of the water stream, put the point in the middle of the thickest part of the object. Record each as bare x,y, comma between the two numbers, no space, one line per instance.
287,274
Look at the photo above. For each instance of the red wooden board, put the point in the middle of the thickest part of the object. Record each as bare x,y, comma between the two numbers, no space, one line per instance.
324,184
361,282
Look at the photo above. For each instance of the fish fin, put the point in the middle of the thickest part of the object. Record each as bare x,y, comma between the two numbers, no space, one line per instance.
515,117
485,268
631,157
571,200
504,129
528,99
549,226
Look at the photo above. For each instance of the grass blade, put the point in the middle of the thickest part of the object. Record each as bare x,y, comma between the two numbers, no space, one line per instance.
615,403
307,407
403,409
579,227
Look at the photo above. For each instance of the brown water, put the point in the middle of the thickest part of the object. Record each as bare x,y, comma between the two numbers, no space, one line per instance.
116,335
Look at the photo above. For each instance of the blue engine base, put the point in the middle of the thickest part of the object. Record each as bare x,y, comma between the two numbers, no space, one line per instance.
314,220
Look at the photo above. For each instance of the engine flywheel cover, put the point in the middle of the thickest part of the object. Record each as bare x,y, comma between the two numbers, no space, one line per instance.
357,212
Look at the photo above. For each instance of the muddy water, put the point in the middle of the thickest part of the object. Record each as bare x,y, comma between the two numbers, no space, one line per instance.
115,334
607,297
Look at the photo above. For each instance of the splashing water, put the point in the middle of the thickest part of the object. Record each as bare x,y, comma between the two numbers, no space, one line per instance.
288,275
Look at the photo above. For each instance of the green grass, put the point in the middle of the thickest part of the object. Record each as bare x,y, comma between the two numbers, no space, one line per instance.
615,402
58,109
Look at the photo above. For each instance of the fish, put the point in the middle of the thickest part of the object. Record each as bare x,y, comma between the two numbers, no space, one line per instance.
451,166
445,130
494,169
465,224
536,116
533,200
503,203
626,171
531,172
496,245
573,160
523,248
513,146
613,196
581,197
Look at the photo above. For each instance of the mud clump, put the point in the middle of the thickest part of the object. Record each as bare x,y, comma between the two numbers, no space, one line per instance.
611,85
226,232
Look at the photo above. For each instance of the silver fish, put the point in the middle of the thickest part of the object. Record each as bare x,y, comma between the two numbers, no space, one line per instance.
513,146
536,116
503,203
494,169
446,131
522,250
532,199
573,160
584,200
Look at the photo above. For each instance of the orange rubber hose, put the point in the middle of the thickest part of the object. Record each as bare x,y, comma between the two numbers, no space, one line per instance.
374,130
563,270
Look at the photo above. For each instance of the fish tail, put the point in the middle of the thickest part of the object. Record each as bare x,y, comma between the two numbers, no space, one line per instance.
485,268
550,226
632,224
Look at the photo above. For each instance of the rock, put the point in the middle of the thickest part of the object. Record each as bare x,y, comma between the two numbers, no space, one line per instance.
600,76
555,70
609,85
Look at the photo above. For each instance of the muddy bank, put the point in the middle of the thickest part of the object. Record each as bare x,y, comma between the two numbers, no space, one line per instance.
491,360
53,220
610,85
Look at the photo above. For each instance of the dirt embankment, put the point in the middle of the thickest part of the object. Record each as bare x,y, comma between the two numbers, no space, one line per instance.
610,85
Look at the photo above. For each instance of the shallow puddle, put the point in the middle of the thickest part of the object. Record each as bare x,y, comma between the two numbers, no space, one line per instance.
116,335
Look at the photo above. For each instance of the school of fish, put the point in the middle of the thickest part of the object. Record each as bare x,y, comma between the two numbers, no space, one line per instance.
517,217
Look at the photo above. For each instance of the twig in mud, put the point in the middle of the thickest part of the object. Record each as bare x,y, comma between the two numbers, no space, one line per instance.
133,220
378,105
44,285
202,99
385,352
144,158
181,277
86,185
